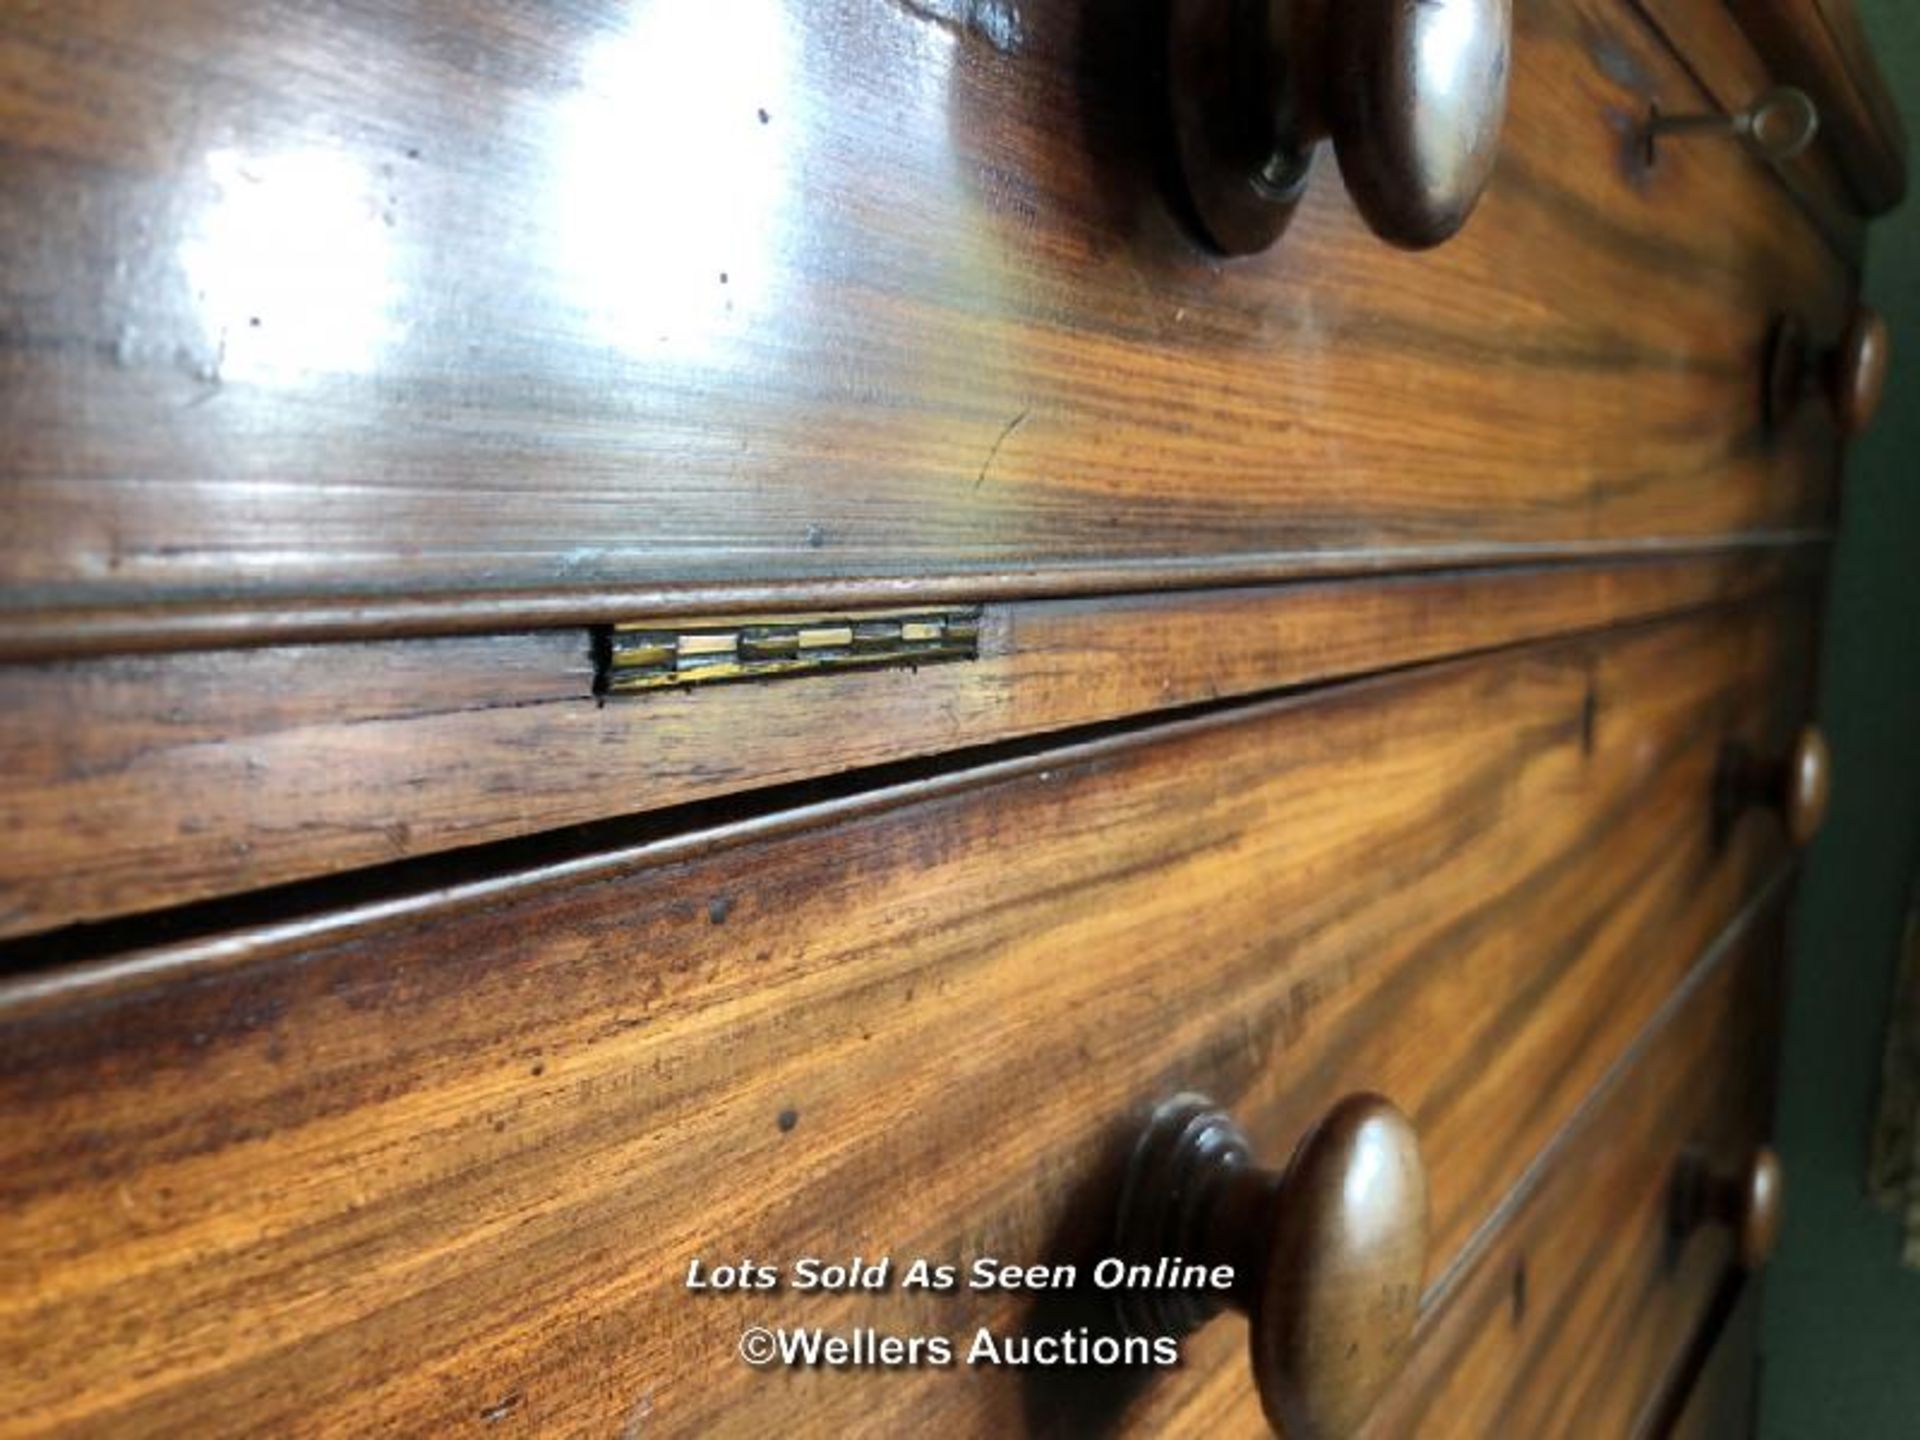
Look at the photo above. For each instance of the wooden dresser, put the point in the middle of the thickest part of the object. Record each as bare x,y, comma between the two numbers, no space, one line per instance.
708,701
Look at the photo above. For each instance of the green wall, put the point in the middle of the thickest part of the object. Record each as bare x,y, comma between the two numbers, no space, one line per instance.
1841,1348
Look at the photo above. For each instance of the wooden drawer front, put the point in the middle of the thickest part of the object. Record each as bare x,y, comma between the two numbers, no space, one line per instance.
146,781
1710,40
1719,1404
448,299
1741,48
453,1154
1579,1315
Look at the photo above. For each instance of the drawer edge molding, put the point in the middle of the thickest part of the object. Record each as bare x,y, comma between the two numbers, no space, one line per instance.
1765,901
1583,1288
253,769
37,628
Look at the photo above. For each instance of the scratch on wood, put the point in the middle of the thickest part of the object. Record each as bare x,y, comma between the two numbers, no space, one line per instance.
494,1414
636,1422
1006,433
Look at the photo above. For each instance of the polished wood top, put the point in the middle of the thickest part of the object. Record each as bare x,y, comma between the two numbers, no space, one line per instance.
493,314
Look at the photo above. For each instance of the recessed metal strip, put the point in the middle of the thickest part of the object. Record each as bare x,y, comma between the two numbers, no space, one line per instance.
638,656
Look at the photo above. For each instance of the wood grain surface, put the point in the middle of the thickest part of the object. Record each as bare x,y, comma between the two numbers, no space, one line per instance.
140,782
1577,1316
442,1163
1819,46
1568,1312
370,307
1721,56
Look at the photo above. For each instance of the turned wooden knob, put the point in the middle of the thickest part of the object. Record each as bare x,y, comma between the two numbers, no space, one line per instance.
1327,1255
1797,784
1856,371
1749,1201
1413,96
1852,374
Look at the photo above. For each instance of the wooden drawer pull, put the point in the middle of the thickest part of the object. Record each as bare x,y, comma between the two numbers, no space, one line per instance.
1413,97
1852,374
1328,1254
1749,1201
1797,784
1855,370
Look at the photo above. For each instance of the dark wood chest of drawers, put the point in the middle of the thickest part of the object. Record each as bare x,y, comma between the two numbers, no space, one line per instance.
645,642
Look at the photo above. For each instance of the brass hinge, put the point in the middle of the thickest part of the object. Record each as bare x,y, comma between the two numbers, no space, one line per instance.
641,655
